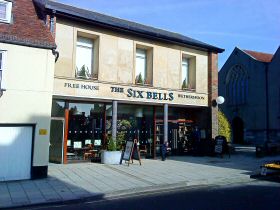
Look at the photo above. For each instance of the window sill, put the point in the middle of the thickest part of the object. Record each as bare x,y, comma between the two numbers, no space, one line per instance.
144,85
188,89
88,79
5,21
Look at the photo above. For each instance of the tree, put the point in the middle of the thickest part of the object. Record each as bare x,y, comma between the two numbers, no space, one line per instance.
224,126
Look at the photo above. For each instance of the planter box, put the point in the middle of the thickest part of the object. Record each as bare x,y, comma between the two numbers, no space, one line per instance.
110,157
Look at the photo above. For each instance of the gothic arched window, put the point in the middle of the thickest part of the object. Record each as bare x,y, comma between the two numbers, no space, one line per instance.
237,85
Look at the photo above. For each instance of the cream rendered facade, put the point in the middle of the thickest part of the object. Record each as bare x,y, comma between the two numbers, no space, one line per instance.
178,85
116,61
116,57
28,78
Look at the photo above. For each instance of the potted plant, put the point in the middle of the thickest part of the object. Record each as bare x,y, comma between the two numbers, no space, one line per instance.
184,85
139,79
113,153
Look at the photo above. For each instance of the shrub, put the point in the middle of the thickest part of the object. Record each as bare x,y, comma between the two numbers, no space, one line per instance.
111,144
224,126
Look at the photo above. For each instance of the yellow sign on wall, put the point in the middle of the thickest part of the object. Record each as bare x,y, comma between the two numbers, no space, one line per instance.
43,132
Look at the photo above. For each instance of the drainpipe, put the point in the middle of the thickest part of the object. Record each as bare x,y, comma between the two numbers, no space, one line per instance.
52,22
267,102
56,54
52,30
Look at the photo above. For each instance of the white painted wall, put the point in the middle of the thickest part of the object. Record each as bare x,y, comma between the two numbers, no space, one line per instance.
28,97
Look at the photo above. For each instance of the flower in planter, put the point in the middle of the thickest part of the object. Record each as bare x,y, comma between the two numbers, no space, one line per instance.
83,72
112,146
139,79
116,145
184,85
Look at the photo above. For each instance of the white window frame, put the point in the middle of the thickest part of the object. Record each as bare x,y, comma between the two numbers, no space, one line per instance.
8,5
88,46
2,69
185,67
141,55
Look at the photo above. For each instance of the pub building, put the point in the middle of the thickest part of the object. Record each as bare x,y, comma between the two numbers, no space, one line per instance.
115,77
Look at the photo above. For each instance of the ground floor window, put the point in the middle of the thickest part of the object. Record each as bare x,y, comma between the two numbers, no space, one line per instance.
80,130
85,130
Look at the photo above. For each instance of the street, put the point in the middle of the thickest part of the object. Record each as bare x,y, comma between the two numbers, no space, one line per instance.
257,195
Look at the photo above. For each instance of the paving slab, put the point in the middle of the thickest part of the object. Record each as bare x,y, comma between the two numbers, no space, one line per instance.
89,180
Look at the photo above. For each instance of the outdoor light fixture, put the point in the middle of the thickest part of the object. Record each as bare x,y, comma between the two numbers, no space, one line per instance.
220,100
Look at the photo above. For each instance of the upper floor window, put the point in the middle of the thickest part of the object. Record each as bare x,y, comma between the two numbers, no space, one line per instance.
185,73
2,68
85,64
143,66
237,85
188,72
5,11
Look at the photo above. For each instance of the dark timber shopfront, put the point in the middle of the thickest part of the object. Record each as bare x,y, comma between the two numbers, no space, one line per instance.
82,124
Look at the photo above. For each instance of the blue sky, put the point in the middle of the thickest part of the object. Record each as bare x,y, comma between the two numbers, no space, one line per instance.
247,24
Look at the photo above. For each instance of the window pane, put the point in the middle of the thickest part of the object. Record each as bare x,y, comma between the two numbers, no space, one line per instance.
140,65
185,72
84,57
81,41
1,57
58,108
3,9
141,53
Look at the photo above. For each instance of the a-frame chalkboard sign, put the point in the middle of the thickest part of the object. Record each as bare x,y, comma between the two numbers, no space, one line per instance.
131,152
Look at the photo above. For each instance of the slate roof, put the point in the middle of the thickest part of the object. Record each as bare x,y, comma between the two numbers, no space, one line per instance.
102,20
26,28
260,56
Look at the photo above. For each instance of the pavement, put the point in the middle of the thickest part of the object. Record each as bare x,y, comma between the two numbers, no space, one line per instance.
78,182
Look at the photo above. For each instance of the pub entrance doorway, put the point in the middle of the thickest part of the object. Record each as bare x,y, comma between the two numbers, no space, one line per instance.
238,130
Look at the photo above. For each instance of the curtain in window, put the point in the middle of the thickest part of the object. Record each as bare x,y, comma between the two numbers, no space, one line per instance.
3,11
2,70
84,57
141,65
185,72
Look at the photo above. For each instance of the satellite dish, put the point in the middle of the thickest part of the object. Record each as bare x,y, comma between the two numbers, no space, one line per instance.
220,100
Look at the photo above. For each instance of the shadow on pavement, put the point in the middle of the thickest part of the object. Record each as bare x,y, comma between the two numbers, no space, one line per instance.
243,158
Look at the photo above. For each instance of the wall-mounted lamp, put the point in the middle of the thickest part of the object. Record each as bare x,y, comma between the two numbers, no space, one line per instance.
218,100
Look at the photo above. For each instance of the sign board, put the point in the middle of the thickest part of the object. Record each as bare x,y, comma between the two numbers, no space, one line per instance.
43,132
133,93
131,152
128,149
220,145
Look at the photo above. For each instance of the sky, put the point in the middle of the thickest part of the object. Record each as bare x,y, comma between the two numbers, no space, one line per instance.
247,24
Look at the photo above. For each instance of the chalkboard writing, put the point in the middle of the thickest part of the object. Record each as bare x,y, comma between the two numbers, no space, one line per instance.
221,146
128,149
131,152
